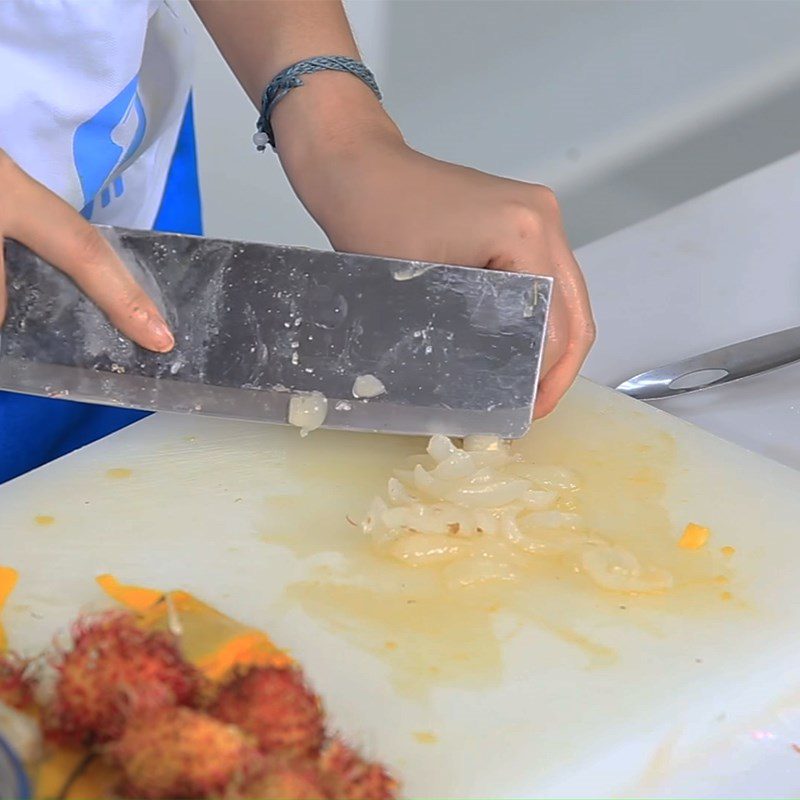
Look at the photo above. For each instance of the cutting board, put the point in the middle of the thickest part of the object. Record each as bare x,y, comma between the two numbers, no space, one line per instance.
553,688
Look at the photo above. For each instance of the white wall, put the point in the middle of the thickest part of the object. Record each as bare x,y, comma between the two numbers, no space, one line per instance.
624,107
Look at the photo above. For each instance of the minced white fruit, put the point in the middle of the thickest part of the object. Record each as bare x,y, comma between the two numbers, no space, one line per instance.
367,386
485,511
307,411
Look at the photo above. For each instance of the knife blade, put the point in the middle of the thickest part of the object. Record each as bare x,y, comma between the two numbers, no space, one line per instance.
456,349
717,367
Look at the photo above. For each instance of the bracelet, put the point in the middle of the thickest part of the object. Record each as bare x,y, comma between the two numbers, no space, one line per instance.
289,78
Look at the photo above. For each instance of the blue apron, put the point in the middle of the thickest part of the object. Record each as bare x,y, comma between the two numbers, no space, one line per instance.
34,430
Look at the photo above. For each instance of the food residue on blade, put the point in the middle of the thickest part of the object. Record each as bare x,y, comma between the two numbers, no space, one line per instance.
119,472
368,386
410,270
44,519
307,411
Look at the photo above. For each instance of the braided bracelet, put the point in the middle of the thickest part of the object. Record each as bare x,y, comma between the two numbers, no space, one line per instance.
289,78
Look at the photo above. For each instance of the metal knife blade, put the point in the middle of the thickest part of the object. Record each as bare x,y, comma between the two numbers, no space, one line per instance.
717,367
457,349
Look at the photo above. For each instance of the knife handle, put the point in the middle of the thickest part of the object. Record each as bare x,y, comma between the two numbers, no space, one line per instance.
717,367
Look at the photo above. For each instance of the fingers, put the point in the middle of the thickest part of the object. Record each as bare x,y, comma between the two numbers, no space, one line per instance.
577,323
535,242
40,220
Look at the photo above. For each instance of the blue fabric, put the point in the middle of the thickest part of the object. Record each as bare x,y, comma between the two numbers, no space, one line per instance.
34,430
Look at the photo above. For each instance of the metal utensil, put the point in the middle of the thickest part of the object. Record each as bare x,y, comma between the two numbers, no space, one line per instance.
717,367
457,349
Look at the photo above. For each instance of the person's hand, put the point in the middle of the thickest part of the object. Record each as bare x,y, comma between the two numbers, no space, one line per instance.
379,197
37,218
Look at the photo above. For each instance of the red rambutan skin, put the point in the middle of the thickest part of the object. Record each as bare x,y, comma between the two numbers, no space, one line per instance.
276,707
15,687
349,777
180,753
115,669
287,779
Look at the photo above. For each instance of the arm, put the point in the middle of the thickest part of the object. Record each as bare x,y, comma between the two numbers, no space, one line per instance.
371,193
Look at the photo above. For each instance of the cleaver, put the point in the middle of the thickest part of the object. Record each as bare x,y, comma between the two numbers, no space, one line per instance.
385,345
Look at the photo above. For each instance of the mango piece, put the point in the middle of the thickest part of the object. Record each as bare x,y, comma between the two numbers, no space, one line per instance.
8,580
215,643
694,536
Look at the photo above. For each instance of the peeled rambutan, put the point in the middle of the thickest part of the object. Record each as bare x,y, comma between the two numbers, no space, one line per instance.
114,670
15,686
286,779
347,776
182,753
276,707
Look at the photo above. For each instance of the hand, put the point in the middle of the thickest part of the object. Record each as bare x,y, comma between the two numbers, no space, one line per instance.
378,196
37,218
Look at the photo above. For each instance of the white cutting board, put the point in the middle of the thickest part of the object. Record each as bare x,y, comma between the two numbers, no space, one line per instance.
564,690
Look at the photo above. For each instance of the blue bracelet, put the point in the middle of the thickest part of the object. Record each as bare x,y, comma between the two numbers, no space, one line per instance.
289,78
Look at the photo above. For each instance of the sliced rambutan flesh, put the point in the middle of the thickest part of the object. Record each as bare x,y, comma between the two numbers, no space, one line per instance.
276,707
347,776
15,686
182,753
115,670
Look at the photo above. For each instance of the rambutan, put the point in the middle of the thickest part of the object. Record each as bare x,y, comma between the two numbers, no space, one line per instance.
286,779
182,753
347,776
114,670
276,707
15,685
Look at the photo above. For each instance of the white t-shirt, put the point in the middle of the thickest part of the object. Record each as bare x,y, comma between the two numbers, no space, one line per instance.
92,94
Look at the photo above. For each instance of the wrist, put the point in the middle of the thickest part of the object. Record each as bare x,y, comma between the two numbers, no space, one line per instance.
323,130
331,116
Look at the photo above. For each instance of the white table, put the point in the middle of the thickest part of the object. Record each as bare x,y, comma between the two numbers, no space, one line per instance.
717,269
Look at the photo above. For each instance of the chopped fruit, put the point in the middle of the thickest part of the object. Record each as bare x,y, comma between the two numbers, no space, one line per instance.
726,596
728,550
115,669
178,752
694,537
15,686
297,779
130,713
276,707
349,777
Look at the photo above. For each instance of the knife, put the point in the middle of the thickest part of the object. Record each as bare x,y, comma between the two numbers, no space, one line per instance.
440,349
717,367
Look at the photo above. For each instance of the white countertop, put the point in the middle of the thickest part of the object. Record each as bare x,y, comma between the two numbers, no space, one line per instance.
713,271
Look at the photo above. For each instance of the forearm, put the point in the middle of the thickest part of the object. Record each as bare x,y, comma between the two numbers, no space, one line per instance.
258,38
371,193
